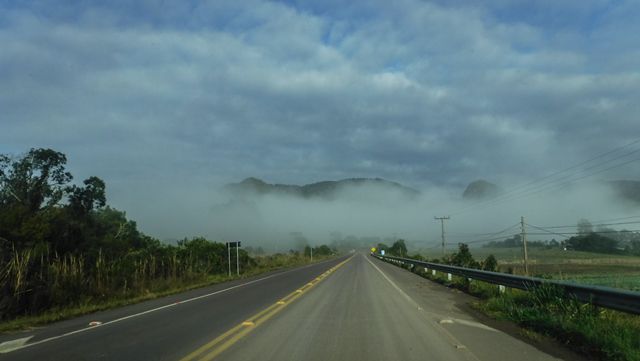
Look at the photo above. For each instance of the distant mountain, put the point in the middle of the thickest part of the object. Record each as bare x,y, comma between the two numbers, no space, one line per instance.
627,189
480,189
324,189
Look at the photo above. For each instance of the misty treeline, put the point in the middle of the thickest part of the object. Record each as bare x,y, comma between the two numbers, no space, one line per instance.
62,245
461,258
588,238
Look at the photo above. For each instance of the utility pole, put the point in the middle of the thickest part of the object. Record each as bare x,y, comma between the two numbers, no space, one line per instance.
311,248
524,246
238,259
442,219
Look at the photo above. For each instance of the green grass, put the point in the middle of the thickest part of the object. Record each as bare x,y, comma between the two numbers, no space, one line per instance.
630,281
599,269
606,334
541,255
157,290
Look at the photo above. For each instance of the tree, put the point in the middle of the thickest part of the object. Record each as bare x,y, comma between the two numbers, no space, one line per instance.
83,200
36,181
593,242
323,250
463,257
584,227
490,263
31,186
399,248
514,241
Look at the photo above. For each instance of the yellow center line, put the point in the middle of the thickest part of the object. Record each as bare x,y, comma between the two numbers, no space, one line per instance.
219,344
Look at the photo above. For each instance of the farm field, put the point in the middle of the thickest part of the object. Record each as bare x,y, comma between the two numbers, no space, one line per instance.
583,267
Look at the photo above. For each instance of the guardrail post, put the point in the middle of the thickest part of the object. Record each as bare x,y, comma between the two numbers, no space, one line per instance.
501,288
433,272
449,276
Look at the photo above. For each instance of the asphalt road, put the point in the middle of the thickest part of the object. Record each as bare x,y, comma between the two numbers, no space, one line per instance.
361,309
171,327
371,310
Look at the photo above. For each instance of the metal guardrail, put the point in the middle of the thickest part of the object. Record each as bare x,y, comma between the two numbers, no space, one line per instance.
607,297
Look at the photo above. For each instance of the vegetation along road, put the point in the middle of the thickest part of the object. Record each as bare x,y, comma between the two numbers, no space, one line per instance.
350,308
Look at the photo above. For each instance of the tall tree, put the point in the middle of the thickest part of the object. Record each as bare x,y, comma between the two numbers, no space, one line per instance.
399,248
36,181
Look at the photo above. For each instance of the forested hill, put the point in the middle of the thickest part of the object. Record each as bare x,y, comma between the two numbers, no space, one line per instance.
480,189
324,189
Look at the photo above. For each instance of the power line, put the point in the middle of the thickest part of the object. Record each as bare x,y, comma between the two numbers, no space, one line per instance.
487,234
494,234
615,219
593,225
580,164
488,239
484,239
549,186
472,234
543,229
562,185
602,232
529,187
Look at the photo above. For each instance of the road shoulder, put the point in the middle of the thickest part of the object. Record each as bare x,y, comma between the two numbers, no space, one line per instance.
452,305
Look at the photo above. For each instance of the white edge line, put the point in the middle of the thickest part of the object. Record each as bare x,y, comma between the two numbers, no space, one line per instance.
456,342
413,303
157,309
456,320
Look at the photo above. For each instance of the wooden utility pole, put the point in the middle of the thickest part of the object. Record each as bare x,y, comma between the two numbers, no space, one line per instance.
524,246
442,219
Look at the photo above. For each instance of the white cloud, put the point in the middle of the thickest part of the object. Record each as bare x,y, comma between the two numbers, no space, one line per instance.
421,92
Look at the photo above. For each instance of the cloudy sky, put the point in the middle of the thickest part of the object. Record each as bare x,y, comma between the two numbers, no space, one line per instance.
166,99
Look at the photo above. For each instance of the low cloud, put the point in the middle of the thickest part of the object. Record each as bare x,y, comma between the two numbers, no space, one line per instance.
365,212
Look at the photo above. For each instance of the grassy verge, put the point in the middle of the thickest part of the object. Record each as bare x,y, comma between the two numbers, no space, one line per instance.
593,331
156,290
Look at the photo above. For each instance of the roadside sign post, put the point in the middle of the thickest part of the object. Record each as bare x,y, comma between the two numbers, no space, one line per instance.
229,257
237,246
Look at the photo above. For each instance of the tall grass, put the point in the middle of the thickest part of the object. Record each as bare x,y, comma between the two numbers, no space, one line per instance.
36,279
39,286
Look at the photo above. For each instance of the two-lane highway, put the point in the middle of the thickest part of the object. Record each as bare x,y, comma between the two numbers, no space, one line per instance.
364,313
355,308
